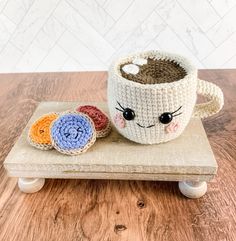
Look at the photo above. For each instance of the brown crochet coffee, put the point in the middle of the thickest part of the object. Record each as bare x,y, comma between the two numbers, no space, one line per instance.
155,71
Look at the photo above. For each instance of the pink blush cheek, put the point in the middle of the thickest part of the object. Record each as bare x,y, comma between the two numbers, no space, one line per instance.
172,127
176,127
119,120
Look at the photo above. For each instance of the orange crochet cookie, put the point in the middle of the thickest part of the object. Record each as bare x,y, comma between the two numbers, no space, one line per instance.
39,133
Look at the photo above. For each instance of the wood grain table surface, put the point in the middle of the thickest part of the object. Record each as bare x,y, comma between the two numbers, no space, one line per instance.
113,210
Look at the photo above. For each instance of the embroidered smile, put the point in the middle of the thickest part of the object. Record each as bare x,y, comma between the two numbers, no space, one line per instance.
144,126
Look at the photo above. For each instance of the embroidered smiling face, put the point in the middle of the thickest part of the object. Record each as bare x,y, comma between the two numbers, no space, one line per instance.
166,118
148,108
149,115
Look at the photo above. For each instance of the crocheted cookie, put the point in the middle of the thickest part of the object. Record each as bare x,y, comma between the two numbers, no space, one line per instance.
39,135
72,133
101,121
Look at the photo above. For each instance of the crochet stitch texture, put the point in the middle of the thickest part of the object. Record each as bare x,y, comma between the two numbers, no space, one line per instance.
39,133
73,133
150,101
101,121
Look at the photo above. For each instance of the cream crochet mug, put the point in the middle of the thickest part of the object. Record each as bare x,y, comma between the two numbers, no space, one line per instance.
155,113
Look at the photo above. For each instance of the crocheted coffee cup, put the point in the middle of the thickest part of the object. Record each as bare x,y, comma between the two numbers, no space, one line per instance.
101,121
152,96
72,133
39,133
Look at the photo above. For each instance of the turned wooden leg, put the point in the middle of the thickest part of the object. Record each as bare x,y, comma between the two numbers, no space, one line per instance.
193,189
30,185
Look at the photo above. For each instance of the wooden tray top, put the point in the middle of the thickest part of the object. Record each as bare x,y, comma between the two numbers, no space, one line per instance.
188,157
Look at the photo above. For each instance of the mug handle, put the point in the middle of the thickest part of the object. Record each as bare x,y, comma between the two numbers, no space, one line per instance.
215,99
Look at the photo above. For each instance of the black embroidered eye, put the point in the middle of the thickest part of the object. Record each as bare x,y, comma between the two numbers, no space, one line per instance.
128,114
166,118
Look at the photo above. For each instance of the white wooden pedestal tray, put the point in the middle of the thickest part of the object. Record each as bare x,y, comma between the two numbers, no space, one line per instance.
187,159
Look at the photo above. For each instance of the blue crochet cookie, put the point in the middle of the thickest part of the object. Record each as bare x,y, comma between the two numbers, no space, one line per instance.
72,133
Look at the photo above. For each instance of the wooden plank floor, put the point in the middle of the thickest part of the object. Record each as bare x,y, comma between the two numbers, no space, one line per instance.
113,210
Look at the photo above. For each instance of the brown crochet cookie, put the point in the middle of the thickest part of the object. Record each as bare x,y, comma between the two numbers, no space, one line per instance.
101,121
